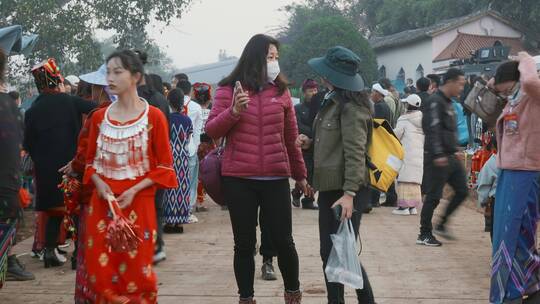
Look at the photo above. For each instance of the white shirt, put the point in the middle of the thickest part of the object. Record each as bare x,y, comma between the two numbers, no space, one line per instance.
205,115
195,114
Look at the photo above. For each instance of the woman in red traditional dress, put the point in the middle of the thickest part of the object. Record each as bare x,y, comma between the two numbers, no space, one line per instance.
129,157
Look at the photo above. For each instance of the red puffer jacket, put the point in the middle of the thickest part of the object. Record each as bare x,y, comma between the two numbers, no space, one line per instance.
261,140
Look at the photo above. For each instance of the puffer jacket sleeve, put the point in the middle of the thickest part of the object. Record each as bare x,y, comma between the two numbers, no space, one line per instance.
296,161
355,130
529,77
221,119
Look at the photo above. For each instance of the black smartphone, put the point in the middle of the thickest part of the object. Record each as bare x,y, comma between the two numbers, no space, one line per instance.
337,212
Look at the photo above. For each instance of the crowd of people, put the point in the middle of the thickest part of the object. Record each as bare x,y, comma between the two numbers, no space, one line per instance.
134,144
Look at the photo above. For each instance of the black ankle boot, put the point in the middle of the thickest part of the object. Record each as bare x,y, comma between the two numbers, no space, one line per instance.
50,259
16,271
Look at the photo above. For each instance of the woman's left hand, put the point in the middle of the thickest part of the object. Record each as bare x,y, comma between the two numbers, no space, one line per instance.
305,188
126,198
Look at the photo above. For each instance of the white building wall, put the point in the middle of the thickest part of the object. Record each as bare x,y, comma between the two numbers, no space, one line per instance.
486,25
407,57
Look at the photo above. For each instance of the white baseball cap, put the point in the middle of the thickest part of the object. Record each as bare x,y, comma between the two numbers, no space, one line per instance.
414,100
377,87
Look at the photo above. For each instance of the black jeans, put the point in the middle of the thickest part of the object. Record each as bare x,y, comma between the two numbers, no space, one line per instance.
425,178
391,197
454,175
328,225
267,249
158,201
244,197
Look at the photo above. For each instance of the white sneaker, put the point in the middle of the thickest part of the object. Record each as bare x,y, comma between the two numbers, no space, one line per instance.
60,256
193,219
413,211
401,212
159,257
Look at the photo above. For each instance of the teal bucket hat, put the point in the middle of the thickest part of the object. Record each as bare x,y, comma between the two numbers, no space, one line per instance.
341,67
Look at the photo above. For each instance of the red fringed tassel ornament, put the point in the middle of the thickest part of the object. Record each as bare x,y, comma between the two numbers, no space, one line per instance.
71,187
121,234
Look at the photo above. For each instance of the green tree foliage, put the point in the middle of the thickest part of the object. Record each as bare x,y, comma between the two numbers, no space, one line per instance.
315,36
66,28
385,17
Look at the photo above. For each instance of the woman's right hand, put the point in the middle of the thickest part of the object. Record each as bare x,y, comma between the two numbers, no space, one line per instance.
103,190
347,205
241,101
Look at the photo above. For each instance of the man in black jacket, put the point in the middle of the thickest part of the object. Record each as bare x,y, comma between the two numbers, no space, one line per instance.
443,161
310,88
423,85
382,111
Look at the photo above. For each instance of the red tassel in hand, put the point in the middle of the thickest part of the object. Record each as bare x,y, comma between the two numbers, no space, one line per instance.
121,234
71,188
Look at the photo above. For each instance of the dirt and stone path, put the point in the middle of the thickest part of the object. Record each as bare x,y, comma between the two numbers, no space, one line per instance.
198,268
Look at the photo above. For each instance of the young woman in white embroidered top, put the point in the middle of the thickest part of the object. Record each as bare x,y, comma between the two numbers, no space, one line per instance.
128,157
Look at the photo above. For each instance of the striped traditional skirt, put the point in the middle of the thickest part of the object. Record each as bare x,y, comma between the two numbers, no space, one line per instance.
515,260
409,195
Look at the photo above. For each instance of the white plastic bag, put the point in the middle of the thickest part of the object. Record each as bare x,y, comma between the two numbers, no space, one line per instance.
343,265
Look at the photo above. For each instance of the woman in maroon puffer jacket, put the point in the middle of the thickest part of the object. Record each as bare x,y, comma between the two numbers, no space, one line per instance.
258,122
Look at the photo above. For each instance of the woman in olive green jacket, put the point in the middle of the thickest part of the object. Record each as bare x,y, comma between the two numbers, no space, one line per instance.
342,130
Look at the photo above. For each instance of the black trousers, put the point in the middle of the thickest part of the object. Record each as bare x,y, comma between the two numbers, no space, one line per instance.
328,225
158,201
244,198
454,175
10,208
391,196
267,249
425,178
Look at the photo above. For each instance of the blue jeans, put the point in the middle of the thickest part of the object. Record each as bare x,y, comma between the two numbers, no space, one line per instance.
194,180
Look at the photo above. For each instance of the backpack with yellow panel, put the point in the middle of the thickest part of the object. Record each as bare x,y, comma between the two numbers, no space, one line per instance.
385,155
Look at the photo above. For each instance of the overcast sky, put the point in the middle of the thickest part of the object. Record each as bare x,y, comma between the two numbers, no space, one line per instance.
211,25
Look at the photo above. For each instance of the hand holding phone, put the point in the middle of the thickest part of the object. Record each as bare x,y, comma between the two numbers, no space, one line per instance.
337,209
344,207
241,99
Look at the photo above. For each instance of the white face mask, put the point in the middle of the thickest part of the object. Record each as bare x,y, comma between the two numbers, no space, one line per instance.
272,69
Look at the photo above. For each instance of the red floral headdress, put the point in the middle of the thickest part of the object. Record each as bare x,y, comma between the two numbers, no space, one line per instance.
202,90
47,75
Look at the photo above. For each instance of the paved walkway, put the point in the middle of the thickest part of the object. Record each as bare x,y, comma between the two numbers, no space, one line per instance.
199,265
